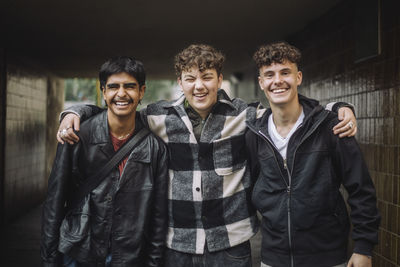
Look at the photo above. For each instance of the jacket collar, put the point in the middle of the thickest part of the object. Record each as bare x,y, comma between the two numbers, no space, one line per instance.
100,134
312,111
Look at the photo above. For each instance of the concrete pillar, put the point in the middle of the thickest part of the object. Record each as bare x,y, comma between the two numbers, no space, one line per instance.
55,104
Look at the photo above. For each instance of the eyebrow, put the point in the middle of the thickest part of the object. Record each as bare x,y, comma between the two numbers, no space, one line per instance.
269,71
124,84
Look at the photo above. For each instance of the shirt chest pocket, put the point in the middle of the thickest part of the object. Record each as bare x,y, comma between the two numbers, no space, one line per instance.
229,154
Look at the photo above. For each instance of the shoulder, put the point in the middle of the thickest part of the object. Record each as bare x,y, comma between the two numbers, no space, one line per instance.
94,124
159,107
330,120
156,144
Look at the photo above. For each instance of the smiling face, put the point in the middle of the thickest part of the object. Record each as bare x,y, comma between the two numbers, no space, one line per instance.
200,89
279,81
122,94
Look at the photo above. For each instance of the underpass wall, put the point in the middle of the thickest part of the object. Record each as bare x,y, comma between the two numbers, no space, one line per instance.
34,99
332,73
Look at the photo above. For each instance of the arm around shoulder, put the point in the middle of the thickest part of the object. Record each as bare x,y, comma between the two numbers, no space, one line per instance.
83,111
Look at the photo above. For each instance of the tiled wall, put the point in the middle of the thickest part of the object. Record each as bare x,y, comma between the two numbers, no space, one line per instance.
2,128
27,119
330,74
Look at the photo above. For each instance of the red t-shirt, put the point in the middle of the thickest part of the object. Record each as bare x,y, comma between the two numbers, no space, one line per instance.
117,143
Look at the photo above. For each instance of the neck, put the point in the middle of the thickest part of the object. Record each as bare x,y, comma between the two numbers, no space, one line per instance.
286,115
121,127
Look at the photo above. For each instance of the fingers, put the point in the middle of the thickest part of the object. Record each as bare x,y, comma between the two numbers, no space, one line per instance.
76,123
66,132
70,136
348,133
59,139
341,124
341,114
347,127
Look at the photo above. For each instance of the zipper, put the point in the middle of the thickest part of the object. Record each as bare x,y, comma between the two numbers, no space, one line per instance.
290,172
289,213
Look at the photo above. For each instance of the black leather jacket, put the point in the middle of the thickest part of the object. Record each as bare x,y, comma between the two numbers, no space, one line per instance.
125,215
305,220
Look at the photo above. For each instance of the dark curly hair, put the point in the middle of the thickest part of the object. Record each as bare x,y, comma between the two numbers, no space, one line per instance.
276,53
199,55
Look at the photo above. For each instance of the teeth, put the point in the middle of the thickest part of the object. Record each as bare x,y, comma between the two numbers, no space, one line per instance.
121,103
278,90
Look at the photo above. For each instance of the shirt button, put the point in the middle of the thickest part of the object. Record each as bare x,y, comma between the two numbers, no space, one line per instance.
198,189
108,198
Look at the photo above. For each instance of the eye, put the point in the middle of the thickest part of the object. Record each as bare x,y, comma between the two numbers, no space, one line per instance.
112,86
130,86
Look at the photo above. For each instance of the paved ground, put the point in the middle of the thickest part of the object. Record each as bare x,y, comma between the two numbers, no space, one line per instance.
20,242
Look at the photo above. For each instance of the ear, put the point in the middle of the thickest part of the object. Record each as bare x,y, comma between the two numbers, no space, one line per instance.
220,79
179,80
260,83
141,91
104,93
299,77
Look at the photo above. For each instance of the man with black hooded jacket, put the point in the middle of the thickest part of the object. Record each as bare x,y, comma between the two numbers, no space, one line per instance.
300,166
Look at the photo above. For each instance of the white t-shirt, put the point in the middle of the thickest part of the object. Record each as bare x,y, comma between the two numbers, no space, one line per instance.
280,142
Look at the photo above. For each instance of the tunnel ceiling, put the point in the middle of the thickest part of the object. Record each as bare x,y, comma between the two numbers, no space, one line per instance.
73,38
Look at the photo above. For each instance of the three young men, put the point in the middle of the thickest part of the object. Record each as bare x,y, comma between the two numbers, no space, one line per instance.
210,215
122,221
300,165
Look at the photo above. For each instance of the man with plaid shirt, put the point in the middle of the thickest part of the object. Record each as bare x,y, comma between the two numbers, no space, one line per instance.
210,216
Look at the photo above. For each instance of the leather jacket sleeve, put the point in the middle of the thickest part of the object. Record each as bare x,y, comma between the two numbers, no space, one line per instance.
54,206
361,195
158,220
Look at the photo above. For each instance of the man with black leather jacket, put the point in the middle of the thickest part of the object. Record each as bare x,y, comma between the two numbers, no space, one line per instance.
299,165
122,221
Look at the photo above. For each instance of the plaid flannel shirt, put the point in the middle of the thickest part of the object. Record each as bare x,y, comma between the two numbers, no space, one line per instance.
209,181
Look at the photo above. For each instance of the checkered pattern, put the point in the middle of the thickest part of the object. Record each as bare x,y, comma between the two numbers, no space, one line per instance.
209,186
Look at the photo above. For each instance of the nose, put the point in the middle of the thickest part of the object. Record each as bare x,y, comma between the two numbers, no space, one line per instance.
277,78
198,84
121,91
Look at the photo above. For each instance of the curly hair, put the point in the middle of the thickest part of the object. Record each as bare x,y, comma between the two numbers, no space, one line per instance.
276,53
199,55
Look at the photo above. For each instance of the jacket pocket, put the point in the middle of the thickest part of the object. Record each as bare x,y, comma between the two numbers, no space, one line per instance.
75,225
229,155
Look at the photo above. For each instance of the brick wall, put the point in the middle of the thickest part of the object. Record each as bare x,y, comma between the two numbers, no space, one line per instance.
330,74
27,147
